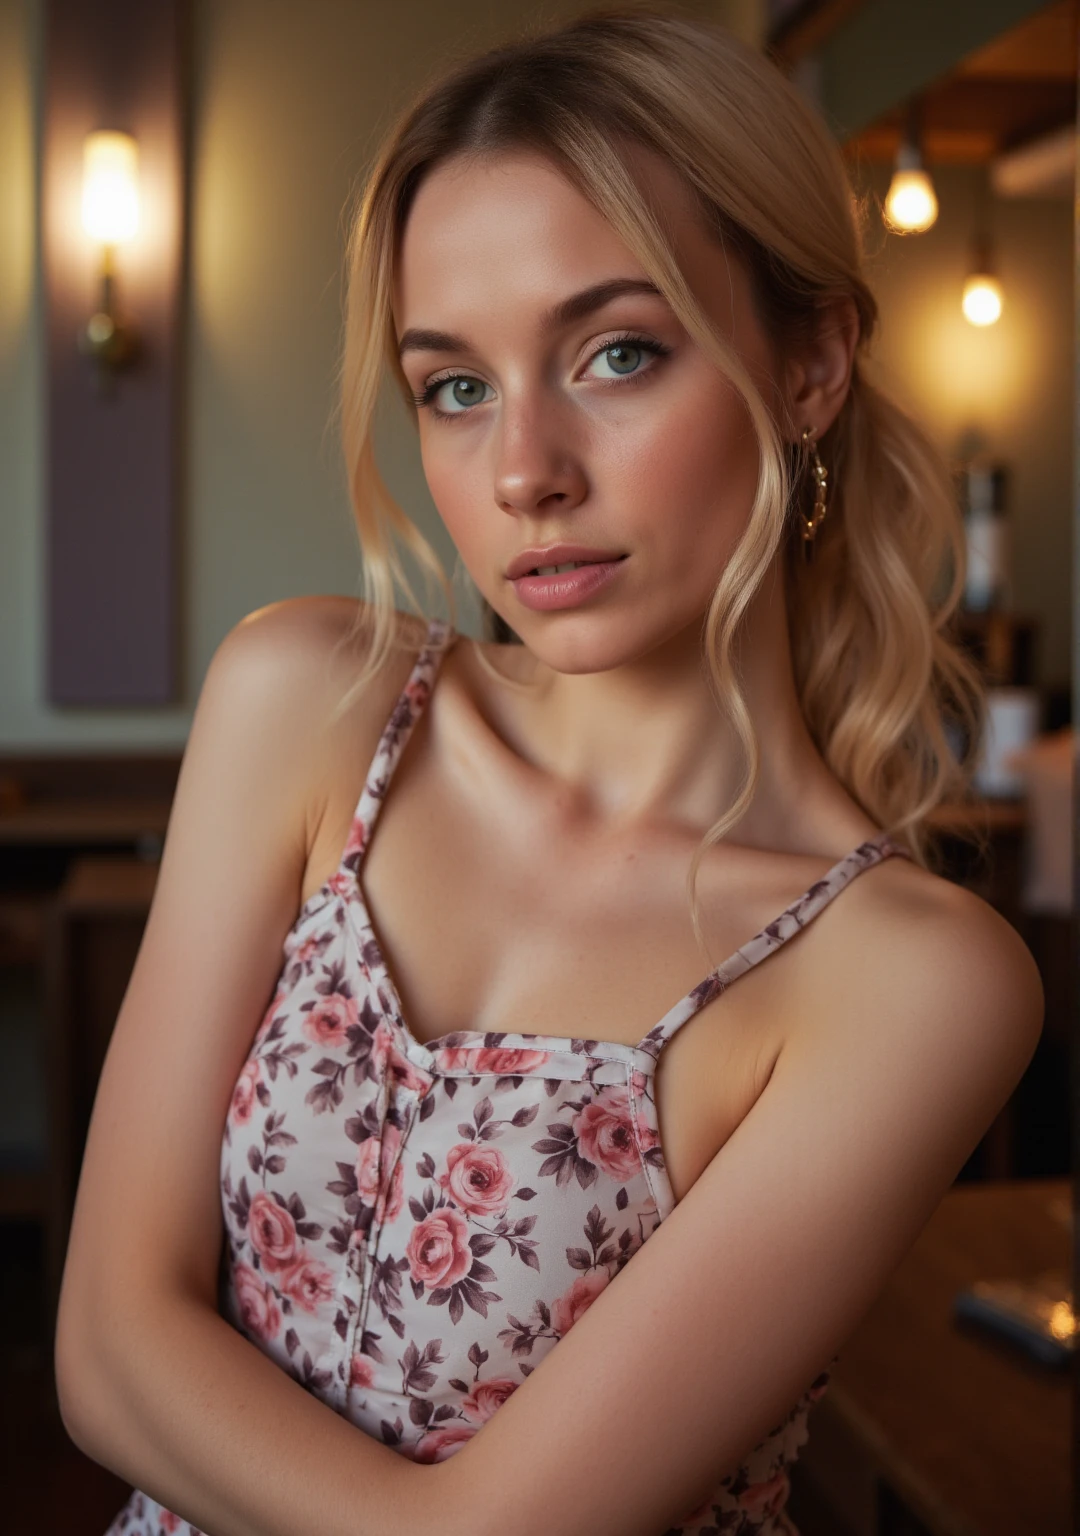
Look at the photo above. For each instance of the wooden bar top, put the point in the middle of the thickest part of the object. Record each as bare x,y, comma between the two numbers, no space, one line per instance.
970,1432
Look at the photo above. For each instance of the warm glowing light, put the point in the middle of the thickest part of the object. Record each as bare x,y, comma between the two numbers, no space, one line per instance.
110,198
1062,1320
911,204
982,299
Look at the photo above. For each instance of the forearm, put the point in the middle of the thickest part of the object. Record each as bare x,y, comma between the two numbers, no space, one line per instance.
187,1409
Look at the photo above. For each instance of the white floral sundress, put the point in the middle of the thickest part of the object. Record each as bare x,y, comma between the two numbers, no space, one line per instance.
410,1228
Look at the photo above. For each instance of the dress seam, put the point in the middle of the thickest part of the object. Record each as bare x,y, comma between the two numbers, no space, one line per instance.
634,1105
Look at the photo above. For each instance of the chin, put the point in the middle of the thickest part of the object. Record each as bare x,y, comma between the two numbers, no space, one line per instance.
590,643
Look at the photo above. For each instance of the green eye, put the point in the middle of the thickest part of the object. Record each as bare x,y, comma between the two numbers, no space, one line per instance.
464,391
622,356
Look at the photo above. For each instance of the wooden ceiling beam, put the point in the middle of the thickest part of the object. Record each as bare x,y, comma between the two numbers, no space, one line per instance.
809,29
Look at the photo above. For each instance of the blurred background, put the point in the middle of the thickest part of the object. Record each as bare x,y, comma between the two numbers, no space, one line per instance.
174,180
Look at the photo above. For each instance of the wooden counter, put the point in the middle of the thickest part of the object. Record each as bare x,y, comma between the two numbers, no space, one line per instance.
960,1432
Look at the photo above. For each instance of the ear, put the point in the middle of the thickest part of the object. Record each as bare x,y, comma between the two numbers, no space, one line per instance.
818,371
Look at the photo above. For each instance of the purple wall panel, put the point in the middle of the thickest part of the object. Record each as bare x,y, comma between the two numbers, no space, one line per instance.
112,459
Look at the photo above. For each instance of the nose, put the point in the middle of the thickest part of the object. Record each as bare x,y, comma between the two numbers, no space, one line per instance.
537,464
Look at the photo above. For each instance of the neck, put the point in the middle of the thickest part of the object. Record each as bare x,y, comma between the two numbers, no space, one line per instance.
648,740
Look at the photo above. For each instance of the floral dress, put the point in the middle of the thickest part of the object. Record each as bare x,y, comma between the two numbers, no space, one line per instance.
410,1228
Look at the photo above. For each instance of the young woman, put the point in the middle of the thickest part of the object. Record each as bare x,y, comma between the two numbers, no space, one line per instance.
505,1093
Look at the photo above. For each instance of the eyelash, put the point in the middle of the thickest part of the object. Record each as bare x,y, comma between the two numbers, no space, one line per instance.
657,349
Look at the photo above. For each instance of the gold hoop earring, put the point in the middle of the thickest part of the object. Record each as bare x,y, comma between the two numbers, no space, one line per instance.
821,476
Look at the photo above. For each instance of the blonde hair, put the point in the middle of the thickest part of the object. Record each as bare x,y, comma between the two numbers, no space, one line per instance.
878,678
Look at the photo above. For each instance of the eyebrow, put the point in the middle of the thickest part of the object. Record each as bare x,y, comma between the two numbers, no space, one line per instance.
565,312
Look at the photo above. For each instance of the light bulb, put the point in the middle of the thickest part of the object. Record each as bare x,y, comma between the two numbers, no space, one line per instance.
982,299
110,197
911,205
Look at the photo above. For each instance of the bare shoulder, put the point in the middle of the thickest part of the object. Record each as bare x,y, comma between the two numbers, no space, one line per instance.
289,680
302,657
319,638
925,965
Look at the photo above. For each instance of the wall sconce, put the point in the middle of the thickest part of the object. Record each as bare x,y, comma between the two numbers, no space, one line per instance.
110,216
112,223
982,298
911,204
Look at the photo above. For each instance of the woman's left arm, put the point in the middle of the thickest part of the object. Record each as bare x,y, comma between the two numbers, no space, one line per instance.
710,1334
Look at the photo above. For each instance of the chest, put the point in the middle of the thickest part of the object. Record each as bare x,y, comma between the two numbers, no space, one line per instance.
492,915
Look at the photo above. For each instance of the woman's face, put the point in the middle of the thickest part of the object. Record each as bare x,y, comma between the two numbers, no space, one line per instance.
597,423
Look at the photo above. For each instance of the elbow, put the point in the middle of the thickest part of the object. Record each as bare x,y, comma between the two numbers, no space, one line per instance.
113,1329
99,1346
78,1364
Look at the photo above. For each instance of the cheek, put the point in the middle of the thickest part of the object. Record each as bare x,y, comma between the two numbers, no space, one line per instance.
458,494
691,475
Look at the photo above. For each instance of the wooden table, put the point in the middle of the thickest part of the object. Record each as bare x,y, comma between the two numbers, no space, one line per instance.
39,836
85,822
936,1420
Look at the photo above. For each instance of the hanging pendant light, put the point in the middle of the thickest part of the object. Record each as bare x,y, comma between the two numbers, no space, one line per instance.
983,297
911,204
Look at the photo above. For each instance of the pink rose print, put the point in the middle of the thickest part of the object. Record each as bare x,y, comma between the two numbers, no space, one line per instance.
416,693
307,950
388,1061
243,1099
646,1132
273,1232
308,1283
507,1061
259,1312
605,1133
438,1250
168,1521
455,1058
578,1299
439,1444
475,1058
370,1156
329,1020
357,835
361,1372
765,1499
340,882
477,1179
486,1397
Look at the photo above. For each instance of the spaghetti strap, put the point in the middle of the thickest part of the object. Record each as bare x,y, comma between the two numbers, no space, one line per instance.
789,922
396,732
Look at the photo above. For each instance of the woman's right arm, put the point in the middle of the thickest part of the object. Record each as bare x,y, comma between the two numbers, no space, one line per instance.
153,1383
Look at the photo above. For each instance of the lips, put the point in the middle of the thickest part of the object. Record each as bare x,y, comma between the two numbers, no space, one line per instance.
561,570
532,560
567,589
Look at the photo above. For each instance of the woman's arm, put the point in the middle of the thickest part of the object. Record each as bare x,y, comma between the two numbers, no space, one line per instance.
706,1339
152,1381
685,1360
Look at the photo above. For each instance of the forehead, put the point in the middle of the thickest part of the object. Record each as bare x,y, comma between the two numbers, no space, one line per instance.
512,229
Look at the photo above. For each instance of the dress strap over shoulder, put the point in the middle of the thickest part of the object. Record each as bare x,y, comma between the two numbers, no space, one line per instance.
396,732
789,922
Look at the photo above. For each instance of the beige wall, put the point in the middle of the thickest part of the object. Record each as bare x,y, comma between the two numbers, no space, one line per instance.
20,382
1012,383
